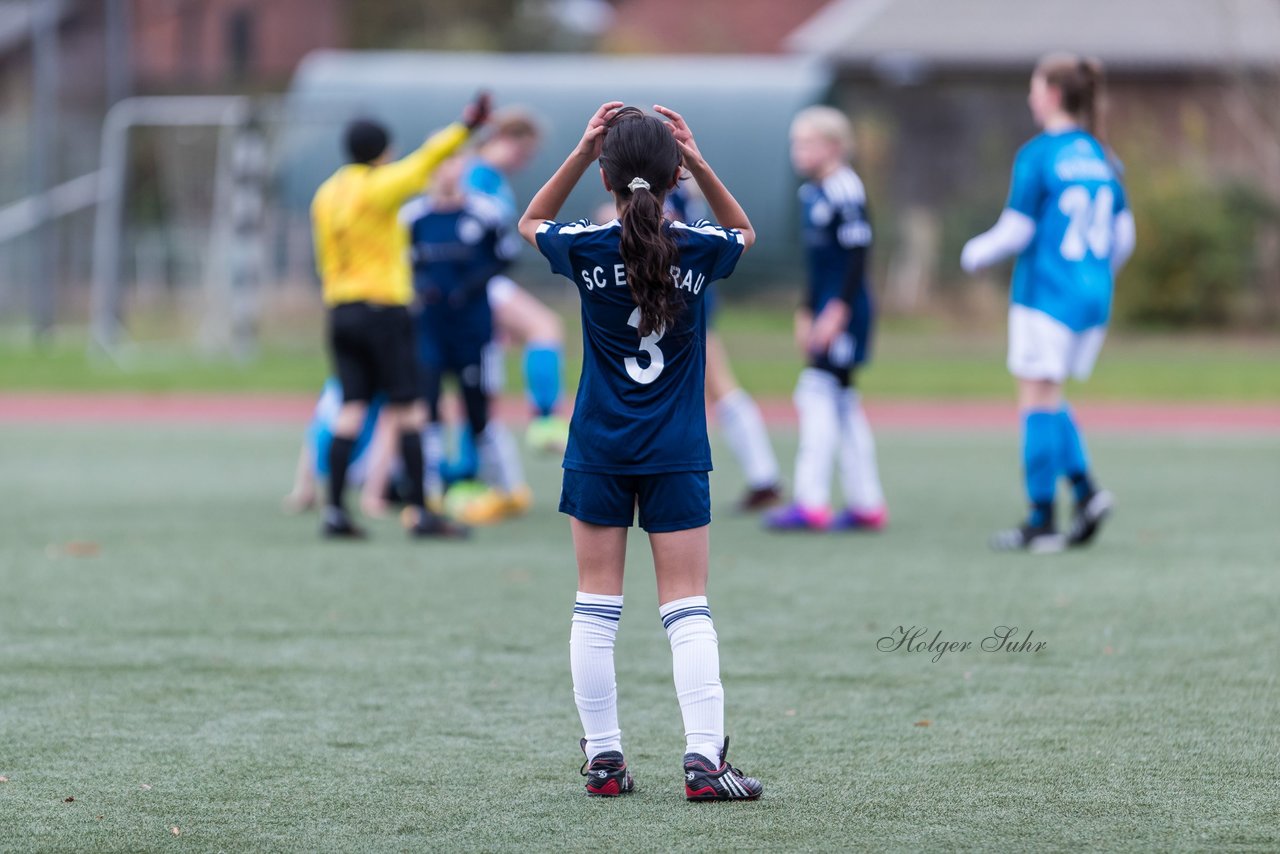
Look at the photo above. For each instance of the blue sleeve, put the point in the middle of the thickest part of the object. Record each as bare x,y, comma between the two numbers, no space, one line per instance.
555,240
482,178
724,244
1026,192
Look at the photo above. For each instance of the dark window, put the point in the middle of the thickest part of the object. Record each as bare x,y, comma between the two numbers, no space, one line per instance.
240,42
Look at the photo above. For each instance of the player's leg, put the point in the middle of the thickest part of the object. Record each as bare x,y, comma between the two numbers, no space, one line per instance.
817,400
1092,504
380,458
865,508
398,368
302,495
349,329
430,377
743,429
1038,351
499,458
859,472
675,509
599,546
313,456
526,320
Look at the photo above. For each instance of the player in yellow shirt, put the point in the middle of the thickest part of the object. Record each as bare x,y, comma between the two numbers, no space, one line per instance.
362,256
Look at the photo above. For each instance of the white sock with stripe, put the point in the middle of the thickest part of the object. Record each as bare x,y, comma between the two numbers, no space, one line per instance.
595,688
816,398
695,660
743,429
859,475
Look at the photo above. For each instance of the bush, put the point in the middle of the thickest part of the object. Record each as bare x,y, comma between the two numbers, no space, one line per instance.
1197,254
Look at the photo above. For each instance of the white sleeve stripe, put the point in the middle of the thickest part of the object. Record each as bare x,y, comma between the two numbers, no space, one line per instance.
582,226
486,209
710,230
546,226
845,186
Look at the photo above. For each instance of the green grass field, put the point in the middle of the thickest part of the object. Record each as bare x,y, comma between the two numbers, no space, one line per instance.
913,358
215,668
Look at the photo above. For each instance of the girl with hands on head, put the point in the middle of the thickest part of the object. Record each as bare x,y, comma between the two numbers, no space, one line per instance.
638,437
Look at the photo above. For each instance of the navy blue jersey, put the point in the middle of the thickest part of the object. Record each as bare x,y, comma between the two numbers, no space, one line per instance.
1066,183
676,206
837,237
455,251
640,407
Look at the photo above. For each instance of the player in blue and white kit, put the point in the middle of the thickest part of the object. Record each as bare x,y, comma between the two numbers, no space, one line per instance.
638,436
458,242
833,327
736,411
507,145
313,459
1069,224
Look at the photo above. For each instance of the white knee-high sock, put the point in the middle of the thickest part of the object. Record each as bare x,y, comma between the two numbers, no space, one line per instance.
860,476
500,465
816,398
695,660
743,429
595,689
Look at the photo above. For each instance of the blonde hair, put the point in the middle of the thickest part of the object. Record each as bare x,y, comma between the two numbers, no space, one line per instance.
514,122
1081,83
829,123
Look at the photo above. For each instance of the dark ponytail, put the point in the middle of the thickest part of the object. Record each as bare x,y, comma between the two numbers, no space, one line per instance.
1081,82
639,150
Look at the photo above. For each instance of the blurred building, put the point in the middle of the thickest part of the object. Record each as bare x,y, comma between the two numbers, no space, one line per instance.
939,88
214,44
705,26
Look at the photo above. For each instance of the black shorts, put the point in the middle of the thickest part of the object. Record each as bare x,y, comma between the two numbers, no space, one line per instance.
372,348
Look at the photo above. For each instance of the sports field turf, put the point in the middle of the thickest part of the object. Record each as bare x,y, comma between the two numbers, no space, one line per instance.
174,653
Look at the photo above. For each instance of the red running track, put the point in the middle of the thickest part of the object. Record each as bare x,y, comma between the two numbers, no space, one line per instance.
940,415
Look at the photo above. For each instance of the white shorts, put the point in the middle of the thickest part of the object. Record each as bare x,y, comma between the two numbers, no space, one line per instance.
500,290
1041,348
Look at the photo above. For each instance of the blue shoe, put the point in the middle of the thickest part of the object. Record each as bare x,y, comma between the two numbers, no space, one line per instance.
861,520
797,518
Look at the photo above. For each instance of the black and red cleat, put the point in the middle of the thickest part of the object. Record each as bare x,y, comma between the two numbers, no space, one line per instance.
704,781
762,498
607,774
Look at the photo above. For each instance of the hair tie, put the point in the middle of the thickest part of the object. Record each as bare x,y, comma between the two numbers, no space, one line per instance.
637,183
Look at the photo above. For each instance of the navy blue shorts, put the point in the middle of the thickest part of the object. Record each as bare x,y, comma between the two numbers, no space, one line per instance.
675,501
852,348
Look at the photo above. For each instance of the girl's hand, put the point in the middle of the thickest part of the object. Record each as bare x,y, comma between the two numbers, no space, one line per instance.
803,326
829,323
684,136
593,137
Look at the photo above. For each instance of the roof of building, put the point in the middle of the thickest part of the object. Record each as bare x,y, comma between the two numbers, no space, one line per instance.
705,26
1150,35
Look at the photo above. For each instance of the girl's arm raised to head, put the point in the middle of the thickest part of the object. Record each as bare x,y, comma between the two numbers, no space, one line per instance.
546,203
724,206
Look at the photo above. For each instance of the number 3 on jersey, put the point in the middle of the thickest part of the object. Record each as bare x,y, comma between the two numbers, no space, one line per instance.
1090,222
648,346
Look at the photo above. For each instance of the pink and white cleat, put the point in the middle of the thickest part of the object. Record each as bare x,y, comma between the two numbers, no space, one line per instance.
797,518
861,520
